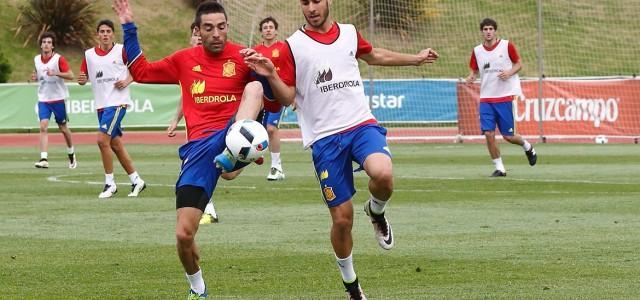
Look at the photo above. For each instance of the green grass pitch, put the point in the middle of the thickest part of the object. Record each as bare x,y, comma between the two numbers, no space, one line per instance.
564,229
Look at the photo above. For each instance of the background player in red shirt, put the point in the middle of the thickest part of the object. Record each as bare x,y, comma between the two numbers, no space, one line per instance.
216,88
271,48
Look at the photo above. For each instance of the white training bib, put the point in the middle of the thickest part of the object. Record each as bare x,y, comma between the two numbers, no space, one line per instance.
490,64
103,72
50,88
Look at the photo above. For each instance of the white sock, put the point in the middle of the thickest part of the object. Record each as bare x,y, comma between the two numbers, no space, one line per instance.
108,179
526,146
377,206
196,282
275,160
70,150
209,209
346,268
134,177
498,163
44,155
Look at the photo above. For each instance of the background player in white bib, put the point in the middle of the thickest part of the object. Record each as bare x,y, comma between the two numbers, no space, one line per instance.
336,121
105,67
497,62
51,69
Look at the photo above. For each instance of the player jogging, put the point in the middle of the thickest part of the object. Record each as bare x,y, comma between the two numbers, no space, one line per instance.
499,88
104,66
51,69
336,121
216,88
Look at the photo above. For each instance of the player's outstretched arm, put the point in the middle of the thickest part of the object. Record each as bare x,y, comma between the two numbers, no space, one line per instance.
264,66
123,10
384,57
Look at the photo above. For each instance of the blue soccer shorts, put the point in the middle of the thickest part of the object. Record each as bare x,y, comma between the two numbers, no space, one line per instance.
333,157
110,119
198,166
57,108
272,118
500,114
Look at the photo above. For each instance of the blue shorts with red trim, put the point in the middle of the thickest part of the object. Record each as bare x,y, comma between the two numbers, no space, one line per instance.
58,108
333,157
110,119
500,114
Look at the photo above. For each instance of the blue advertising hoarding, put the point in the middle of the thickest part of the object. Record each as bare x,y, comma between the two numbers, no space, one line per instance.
407,101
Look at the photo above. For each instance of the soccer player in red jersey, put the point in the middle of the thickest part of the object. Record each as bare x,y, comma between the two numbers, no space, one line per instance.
320,71
217,87
271,48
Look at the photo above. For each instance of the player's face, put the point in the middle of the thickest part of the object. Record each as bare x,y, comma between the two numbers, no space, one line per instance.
46,45
315,12
105,35
488,33
195,38
213,31
268,31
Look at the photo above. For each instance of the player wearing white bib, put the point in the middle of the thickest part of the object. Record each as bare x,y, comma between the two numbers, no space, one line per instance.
497,62
105,67
51,69
336,121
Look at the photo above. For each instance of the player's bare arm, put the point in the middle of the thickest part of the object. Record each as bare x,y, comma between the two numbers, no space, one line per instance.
384,57
264,66
473,75
121,84
123,10
82,78
506,74
64,75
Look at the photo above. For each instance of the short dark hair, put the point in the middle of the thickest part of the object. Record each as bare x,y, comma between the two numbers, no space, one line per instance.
266,20
209,7
105,22
48,34
488,22
193,25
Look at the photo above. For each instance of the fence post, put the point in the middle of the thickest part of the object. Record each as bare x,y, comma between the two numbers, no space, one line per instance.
540,74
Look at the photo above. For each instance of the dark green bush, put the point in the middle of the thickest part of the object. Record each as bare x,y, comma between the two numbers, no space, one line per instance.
5,69
73,21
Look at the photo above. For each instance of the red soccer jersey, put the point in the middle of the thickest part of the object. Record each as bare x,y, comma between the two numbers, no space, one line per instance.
287,65
211,84
273,52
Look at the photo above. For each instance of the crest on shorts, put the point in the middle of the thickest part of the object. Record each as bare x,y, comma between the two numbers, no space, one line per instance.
229,69
328,193
275,53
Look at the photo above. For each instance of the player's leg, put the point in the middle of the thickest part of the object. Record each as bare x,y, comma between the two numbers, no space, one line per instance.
250,107
194,187
106,120
488,121
62,119
332,163
370,149
272,122
190,200
507,126
44,113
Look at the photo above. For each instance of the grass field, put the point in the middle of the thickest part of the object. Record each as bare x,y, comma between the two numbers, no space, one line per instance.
565,229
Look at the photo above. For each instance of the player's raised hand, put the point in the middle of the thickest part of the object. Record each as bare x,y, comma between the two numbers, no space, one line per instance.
123,10
82,78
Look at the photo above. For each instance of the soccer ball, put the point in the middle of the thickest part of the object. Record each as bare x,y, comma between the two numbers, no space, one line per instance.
601,139
247,140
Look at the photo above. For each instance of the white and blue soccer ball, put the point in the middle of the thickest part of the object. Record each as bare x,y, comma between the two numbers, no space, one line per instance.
601,139
247,140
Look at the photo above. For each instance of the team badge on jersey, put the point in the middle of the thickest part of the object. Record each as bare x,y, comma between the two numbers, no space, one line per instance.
197,87
328,193
229,69
275,53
